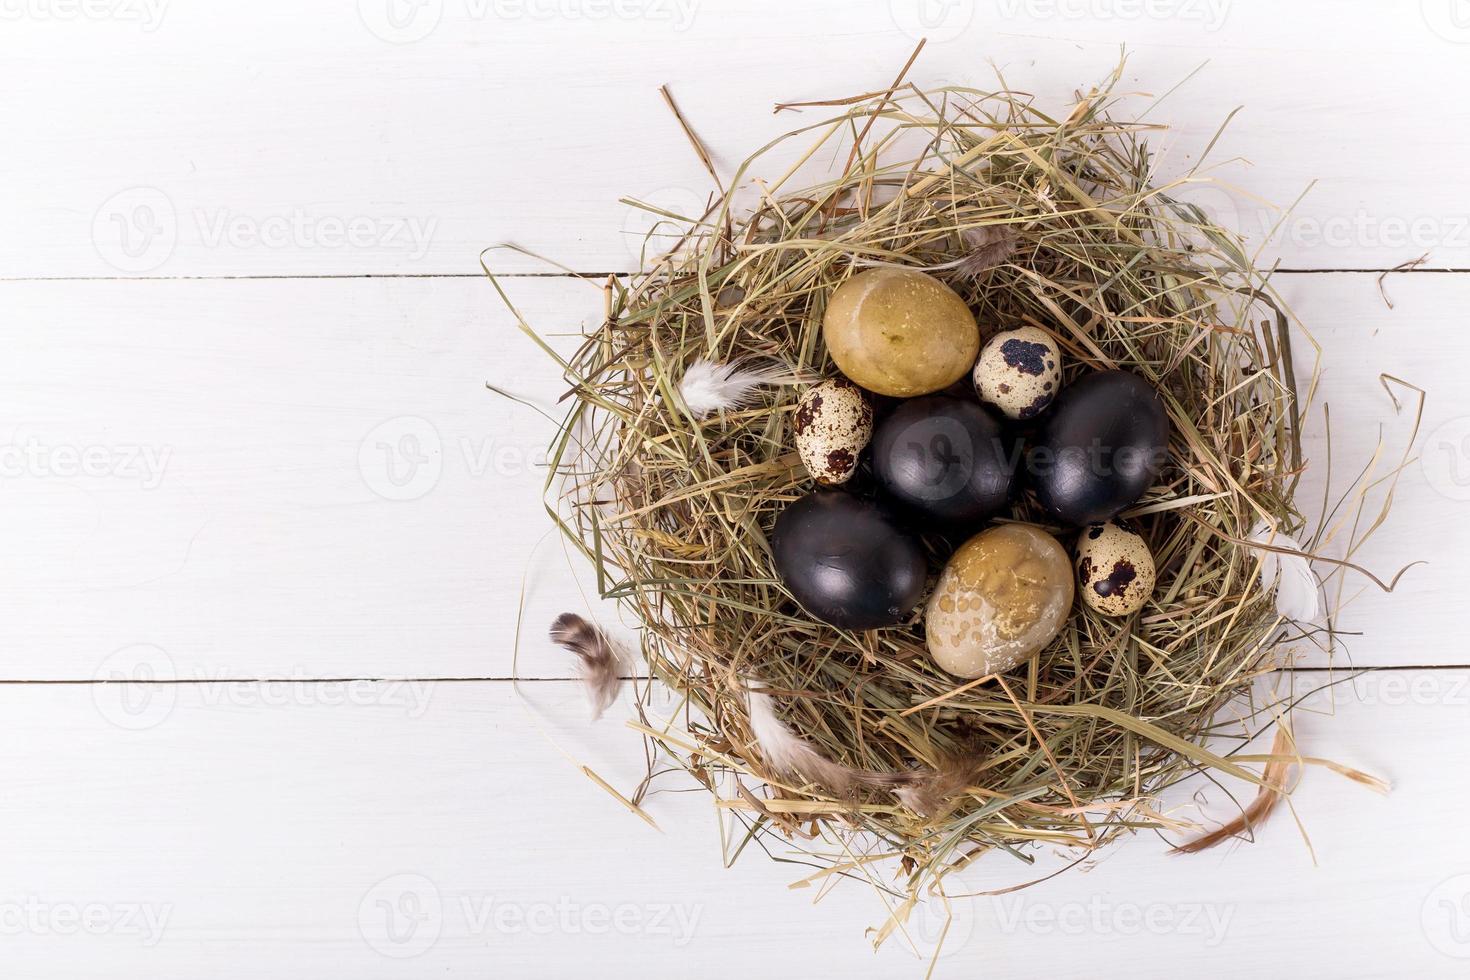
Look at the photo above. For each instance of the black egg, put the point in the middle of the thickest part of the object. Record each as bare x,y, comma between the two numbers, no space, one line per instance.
847,561
945,458
1101,448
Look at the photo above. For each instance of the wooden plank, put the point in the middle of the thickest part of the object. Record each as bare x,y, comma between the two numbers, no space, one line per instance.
310,831
276,542
274,138
303,478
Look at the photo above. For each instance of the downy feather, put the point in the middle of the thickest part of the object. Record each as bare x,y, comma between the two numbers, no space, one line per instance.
709,386
790,755
925,791
599,661
989,246
1298,592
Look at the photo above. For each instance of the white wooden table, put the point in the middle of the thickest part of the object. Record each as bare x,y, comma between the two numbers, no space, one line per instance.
250,467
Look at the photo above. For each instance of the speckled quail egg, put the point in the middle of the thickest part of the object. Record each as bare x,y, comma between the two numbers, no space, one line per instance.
1115,570
834,422
1019,372
1003,597
900,332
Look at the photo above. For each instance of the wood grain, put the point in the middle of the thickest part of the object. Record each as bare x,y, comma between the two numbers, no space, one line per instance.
277,544
273,138
209,481
279,831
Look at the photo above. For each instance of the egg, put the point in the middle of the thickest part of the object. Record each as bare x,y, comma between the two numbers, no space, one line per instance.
1101,447
1003,596
1019,372
848,561
1115,570
900,332
833,424
945,458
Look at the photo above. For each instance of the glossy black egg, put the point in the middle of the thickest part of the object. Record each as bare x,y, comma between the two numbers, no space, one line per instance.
1100,449
847,561
945,458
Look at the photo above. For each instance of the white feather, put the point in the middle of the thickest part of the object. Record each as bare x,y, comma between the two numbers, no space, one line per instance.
786,753
1298,592
709,386
923,790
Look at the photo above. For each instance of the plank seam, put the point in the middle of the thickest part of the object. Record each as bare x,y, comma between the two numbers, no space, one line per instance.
1446,270
181,682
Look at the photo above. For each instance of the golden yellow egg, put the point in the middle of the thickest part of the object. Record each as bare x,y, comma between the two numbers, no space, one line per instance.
900,332
1003,597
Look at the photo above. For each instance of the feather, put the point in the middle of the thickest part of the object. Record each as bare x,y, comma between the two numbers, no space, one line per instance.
930,790
600,662
785,753
1272,792
1298,593
925,791
709,386
990,246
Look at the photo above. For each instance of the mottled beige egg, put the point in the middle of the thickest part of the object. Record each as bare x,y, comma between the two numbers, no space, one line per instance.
900,332
833,423
1019,372
1003,597
1115,570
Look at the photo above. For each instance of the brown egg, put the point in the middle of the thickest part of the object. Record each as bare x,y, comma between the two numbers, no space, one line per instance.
1115,570
1003,597
900,332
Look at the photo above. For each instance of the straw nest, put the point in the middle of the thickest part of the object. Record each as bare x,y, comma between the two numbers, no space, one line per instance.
1052,221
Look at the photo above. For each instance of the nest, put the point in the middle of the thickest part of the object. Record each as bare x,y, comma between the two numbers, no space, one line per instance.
1053,222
